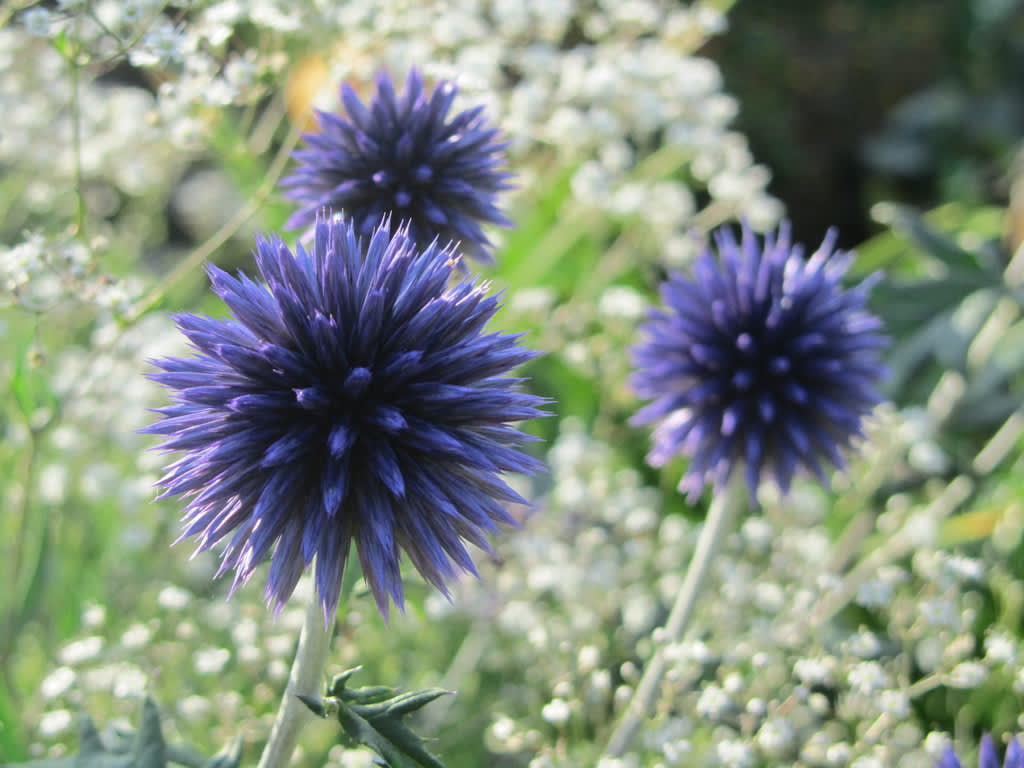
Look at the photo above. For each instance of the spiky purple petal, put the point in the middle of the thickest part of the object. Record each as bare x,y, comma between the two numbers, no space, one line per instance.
760,359
988,757
405,157
352,398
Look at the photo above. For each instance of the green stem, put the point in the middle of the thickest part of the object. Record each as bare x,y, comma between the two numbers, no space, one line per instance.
207,248
307,679
76,138
20,550
192,261
723,509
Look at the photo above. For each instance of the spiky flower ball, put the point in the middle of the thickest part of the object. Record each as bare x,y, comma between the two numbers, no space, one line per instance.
987,757
354,397
760,360
404,156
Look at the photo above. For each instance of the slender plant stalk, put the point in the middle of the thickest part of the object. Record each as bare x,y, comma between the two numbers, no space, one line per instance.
207,248
307,679
723,509
81,214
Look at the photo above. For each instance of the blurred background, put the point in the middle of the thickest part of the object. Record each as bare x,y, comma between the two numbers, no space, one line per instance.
143,138
854,103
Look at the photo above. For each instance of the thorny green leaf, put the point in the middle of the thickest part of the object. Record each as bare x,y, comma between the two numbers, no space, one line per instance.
145,749
372,716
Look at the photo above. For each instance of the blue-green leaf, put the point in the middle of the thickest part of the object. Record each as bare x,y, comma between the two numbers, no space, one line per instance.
373,717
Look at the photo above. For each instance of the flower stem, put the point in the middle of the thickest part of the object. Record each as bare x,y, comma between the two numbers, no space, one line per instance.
306,678
74,108
723,509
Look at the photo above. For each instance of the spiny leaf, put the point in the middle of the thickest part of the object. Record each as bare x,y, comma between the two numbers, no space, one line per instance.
150,750
229,757
372,716
89,741
144,749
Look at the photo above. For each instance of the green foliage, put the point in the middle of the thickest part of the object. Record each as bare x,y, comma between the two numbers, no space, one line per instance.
144,749
373,717
232,148
30,387
945,284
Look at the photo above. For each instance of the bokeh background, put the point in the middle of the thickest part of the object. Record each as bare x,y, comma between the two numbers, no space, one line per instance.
870,624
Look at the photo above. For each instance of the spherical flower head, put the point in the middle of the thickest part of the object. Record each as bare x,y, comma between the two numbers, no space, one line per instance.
353,397
987,757
404,156
760,359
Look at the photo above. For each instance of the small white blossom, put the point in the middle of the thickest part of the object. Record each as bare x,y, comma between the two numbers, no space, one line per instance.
57,683
136,636
735,754
1000,647
838,754
194,708
55,722
81,650
93,616
936,743
775,737
864,644
894,703
965,568
873,593
277,670
867,677
714,702
129,682
211,661
968,674
814,671
587,658
163,44
940,612
622,301
173,598
556,712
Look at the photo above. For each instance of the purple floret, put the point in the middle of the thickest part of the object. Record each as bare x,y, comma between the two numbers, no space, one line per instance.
353,397
404,157
760,360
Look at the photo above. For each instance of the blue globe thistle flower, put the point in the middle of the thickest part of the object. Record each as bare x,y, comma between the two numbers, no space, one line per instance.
987,757
760,359
353,398
405,157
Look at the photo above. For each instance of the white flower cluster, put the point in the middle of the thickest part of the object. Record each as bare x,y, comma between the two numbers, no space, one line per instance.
111,675
614,90
105,111
106,401
768,678
566,617
40,274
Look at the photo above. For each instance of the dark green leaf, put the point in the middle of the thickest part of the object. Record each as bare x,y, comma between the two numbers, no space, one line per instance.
11,744
229,757
940,246
150,751
907,248
144,749
316,706
372,717
907,307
